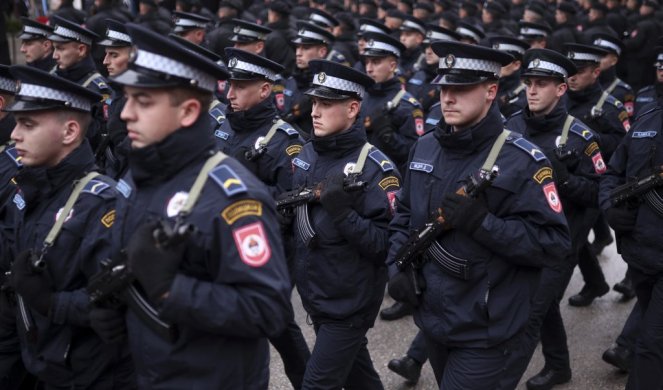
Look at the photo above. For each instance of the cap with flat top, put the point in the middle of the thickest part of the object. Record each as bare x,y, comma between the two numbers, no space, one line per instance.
546,63
609,43
116,35
382,45
246,32
244,65
465,64
8,84
322,19
584,55
511,45
186,21
68,31
335,81
311,34
32,29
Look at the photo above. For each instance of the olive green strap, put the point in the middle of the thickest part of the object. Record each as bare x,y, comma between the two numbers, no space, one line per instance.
394,102
198,184
612,86
361,161
89,79
494,151
565,130
268,137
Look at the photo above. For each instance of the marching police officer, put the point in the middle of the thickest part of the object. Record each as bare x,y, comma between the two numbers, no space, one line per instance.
412,35
327,22
573,150
511,91
64,211
35,46
481,271
191,27
216,280
393,117
608,78
262,40
8,89
653,92
10,161
342,240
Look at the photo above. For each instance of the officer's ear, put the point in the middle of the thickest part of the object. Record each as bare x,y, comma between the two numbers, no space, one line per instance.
71,129
323,51
354,106
189,111
265,90
561,89
260,46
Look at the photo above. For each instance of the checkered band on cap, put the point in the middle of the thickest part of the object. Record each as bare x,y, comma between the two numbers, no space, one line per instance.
71,34
325,80
469,33
659,62
41,92
660,57
321,19
118,36
36,31
509,47
549,66
370,28
533,31
438,36
609,45
169,66
373,44
412,25
312,35
235,63
184,22
576,56
248,33
452,62
8,85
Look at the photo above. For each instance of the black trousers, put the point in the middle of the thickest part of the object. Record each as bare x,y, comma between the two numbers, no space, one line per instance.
418,350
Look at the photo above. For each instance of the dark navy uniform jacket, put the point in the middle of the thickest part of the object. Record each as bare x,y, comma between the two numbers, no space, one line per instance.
341,275
274,167
232,287
10,163
510,95
647,95
611,126
117,150
407,118
622,91
579,194
297,106
639,153
433,117
7,125
524,230
410,62
47,64
419,85
62,349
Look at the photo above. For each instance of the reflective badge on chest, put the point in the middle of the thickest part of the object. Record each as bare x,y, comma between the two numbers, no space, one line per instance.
176,203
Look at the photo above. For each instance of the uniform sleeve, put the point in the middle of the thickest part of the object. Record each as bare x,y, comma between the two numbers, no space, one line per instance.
615,174
583,183
612,127
277,163
250,293
405,135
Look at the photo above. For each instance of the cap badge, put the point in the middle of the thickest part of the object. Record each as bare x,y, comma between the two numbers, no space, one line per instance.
237,29
571,55
322,77
496,46
370,43
450,60
536,62
429,33
232,63
302,31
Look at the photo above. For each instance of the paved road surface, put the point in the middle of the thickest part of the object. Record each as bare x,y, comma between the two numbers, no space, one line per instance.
590,330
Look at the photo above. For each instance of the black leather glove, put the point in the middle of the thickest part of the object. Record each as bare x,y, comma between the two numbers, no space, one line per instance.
560,169
34,287
383,127
401,288
108,323
335,200
621,219
155,268
464,213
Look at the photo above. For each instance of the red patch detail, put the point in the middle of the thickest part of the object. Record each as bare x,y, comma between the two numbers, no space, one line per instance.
419,125
221,85
599,164
106,112
634,33
629,108
551,196
252,244
627,125
280,101
391,195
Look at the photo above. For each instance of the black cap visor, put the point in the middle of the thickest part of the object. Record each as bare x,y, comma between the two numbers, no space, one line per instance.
25,104
236,74
465,78
330,93
144,78
376,53
541,73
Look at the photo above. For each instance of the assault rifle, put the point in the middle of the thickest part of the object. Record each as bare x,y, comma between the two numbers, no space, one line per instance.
288,201
637,188
422,238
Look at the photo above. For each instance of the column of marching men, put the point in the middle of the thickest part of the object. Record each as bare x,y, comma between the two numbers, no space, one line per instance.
171,172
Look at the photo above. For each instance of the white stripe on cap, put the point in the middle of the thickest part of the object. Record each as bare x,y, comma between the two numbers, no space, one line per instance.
253,68
370,28
71,34
471,64
373,44
118,36
169,66
41,92
338,83
533,31
574,55
34,30
321,19
438,36
8,85
248,33
183,22
545,65
468,32
603,43
660,57
312,35
509,47
412,25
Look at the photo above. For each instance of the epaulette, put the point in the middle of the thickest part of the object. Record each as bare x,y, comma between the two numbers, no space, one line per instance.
95,187
614,101
379,158
217,114
100,83
582,131
228,180
123,188
527,147
408,97
415,81
624,85
645,89
289,130
13,154
650,109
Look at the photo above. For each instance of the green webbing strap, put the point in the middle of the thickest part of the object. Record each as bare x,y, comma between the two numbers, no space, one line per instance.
89,79
599,105
565,130
214,103
268,137
494,151
519,89
198,184
612,86
394,102
3,147
78,188
361,161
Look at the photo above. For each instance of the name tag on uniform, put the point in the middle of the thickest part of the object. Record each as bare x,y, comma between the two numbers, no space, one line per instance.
300,163
419,166
221,134
644,134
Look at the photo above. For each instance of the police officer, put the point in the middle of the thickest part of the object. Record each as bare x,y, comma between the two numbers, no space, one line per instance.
470,33
653,92
154,17
412,34
191,27
573,150
393,117
481,273
222,287
327,22
608,78
64,212
608,118
566,30
342,240
511,91
35,46
536,34
637,223
262,40
72,53
9,159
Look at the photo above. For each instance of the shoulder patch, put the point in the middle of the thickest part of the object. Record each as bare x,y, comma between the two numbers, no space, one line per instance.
582,131
242,208
289,130
411,99
421,166
217,114
414,81
591,148
95,187
301,163
293,150
644,134
13,154
529,148
228,180
379,158
389,181
543,174
100,83
124,188
614,101
108,219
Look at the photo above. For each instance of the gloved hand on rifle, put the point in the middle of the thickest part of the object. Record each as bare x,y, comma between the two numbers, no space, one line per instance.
382,126
401,287
34,287
560,169
464,213
334,199
154,267
108,323
621,218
